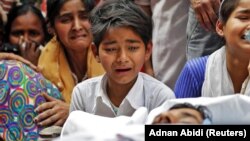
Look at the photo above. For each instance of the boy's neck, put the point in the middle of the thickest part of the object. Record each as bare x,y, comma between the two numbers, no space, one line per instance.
117,93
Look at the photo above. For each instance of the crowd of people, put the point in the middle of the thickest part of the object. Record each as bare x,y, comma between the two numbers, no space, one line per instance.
111,57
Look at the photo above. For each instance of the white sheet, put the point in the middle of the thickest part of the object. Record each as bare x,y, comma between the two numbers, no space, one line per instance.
231,109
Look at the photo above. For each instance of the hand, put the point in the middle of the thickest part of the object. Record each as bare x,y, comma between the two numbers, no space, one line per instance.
52,112
30,51
205,11
11,56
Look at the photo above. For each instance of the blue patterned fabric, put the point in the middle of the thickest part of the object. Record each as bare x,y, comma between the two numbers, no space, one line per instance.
20,94
190,81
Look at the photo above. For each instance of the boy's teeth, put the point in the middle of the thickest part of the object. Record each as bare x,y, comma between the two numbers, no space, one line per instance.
247,35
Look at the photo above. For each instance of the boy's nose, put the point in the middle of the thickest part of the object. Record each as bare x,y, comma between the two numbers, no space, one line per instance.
122,56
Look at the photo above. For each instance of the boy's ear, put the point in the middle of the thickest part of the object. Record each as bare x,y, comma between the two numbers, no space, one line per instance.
95,52
219,28
148,50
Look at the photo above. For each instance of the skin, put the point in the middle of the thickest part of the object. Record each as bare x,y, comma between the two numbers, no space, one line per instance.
27,29
148,66
180,116
11,56
205,11
73,31
237,48
122,54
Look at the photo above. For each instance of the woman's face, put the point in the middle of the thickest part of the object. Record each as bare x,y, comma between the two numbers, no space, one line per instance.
27,27
72,26
234,29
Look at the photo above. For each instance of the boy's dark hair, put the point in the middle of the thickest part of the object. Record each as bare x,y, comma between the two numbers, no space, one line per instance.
226,9
54,7
22,10
120,13
205,113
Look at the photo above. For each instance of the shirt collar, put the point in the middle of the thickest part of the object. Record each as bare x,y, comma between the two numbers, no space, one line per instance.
102,91
135,96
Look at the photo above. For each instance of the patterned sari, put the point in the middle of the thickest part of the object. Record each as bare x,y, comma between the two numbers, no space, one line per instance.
20,94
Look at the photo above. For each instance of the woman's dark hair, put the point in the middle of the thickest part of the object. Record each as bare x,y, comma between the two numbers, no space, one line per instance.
120,13
226,9
29,1
54,7
22,10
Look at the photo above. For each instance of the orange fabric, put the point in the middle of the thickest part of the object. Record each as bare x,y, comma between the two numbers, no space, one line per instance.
55,68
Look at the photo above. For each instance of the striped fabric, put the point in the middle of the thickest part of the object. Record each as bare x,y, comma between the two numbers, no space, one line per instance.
189,83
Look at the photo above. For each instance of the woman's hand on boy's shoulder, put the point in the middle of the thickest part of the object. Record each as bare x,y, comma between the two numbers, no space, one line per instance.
11,56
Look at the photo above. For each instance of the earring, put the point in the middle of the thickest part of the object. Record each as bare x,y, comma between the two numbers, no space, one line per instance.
98,59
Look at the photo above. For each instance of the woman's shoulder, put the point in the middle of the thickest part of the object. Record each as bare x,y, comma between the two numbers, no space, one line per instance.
19,75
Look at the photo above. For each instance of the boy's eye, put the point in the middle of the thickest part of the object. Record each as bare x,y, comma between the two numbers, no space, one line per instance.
243,17
110,49
133,48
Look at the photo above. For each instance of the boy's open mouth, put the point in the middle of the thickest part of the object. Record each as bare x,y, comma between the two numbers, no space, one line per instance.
123,70
246,35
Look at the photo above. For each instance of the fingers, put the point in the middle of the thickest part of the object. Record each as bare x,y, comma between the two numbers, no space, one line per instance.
206,13
12,56
45,106
216,5
45,112
60,122
45,118
30,50
52,113
52,118
49,98
211,14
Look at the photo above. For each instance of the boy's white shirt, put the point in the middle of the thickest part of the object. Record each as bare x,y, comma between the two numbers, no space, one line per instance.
217,80
90,96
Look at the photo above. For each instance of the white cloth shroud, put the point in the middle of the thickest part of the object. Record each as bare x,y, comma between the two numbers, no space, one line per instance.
230,109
